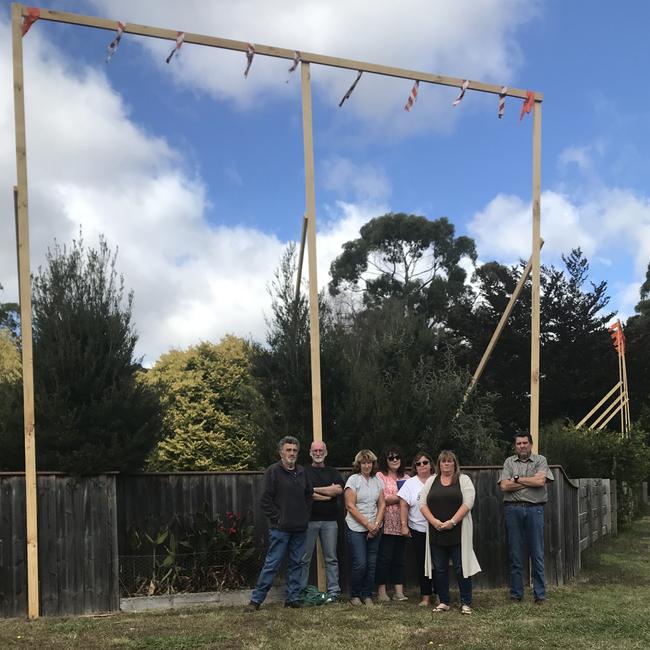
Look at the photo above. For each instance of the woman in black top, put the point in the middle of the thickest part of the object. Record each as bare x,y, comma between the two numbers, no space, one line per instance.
445,502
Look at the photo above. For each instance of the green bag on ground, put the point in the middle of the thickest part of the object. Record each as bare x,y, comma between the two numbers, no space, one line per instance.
310,595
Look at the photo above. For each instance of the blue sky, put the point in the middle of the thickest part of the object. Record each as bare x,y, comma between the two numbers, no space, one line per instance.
197,173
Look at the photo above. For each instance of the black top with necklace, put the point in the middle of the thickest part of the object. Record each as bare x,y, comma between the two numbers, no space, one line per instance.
444,501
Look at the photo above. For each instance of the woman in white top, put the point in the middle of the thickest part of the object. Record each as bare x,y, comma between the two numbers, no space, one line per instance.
446,500
364,502
412,520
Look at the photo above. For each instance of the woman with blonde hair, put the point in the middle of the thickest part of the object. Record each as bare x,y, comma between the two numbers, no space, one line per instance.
446,501
364,502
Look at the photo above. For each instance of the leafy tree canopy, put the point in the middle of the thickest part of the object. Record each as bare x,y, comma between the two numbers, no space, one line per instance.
9,318
91,415
210,407
408,257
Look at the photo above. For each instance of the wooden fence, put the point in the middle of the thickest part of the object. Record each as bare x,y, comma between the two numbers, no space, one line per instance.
597,516
84,526
77,551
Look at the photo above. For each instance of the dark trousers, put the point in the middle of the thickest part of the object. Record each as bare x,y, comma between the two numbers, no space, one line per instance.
419,542
441,555
391,560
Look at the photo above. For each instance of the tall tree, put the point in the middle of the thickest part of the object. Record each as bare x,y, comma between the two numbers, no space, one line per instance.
403,386
91,414
211,407
579,364
637,332
508,370
407,257
282,367
577,361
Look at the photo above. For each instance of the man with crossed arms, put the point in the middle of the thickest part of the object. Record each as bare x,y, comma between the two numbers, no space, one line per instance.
523,483
328,486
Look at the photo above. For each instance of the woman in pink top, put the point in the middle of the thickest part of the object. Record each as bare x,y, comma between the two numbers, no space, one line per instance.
392,547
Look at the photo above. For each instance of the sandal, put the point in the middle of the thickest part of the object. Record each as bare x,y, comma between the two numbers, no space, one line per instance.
441,608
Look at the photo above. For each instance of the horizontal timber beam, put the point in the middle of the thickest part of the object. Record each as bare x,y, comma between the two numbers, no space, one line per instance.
278,52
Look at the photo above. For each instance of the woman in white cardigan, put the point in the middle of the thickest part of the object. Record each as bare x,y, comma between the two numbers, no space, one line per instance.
446,500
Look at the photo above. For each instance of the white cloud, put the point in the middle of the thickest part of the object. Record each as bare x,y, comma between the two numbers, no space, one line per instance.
364,183
192,280
90,166
503,228
612,227
442,37
579,156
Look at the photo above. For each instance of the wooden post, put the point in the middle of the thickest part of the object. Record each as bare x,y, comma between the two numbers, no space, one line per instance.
535,272
620,379
24,286
627,394
620,406
310,218
616,402
602,401
301,256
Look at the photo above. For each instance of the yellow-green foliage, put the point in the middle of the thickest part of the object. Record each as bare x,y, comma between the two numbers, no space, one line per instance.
208,397
10,366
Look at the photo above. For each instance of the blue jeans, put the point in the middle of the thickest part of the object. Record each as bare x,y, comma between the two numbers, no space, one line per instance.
525,527
441,555
363,560
279,543
329,532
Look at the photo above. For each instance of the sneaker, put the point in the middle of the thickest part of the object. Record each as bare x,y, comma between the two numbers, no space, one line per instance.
252,607
383,598
465,609
331,598
400,598
368,602
294,604
355,602
539,601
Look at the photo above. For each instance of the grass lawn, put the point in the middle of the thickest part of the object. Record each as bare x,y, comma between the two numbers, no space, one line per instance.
607,607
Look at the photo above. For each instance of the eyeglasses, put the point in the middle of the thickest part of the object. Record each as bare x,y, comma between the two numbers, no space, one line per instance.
393,457
421,462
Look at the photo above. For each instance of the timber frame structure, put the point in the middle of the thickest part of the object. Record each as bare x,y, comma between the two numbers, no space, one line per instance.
307,59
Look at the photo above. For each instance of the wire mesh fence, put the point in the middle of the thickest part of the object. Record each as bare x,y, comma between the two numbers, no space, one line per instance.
150,575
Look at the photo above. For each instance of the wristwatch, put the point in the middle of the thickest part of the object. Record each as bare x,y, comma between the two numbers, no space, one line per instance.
515,478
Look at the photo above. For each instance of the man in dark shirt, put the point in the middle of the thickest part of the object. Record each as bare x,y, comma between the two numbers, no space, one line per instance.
523,483
328,486
286,502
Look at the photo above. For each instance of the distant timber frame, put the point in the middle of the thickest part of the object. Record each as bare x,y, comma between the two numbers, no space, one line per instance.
307,58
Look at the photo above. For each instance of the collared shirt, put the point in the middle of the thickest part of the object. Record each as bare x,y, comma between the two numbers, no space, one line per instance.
367,491
514,466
